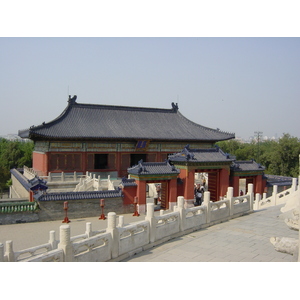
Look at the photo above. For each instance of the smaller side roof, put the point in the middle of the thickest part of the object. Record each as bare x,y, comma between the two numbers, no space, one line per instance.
246,166
126,182
201,155
278,180
153,168
29,184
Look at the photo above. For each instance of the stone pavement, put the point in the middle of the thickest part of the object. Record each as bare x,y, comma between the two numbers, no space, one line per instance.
244,239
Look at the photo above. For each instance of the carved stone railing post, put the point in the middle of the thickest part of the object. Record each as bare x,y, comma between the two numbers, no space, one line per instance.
1,252
121,221
264,198
182,213
152,221
250,192
113,230
88,229
65,243
99,184
52,240
294,185
9,253
208,206
274,195
229,196
257,200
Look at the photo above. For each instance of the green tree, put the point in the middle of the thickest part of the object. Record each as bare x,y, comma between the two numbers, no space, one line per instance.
286,156
13,154
278,157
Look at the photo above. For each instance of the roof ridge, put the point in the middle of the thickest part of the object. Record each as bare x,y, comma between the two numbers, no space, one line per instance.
245,161
123,107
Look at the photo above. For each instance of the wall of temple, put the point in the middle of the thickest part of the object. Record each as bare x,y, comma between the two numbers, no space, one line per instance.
103,156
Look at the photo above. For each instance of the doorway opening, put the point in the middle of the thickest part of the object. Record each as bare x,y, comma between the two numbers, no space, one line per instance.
242,186
157,193
135,158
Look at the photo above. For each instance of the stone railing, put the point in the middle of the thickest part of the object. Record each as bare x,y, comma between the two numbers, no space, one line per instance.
91,183
62,177
120,241
276,198
29,173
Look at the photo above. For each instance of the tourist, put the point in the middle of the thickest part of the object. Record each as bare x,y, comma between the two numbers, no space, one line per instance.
158,193
198,195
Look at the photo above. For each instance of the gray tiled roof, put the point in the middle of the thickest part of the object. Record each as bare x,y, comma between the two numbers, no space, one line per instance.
88,121
153,168
128,182
247,165
200,155
278,180
29,184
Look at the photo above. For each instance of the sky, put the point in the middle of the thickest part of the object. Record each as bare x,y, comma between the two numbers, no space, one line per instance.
238,84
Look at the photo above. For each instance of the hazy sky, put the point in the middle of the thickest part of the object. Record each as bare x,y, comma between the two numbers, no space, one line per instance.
239,85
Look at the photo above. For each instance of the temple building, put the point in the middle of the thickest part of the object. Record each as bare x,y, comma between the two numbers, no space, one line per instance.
150,145
110,139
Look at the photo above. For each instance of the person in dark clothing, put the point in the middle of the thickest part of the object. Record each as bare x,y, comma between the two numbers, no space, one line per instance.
198,195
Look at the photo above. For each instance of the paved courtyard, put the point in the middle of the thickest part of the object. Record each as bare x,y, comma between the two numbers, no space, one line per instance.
244,239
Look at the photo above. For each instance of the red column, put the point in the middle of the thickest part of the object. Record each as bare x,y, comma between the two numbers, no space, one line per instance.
172,193
259,188
223,182
118,164
236,186
188,178
31,196
141,194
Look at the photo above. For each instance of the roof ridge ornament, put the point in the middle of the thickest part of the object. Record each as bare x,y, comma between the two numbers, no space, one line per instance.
72,100
175,106
187,152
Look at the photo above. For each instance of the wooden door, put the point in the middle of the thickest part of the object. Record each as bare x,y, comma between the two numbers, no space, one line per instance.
213,185
164,195
249,180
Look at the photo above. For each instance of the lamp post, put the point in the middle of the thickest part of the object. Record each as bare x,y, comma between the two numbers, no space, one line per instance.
66,219
102,217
